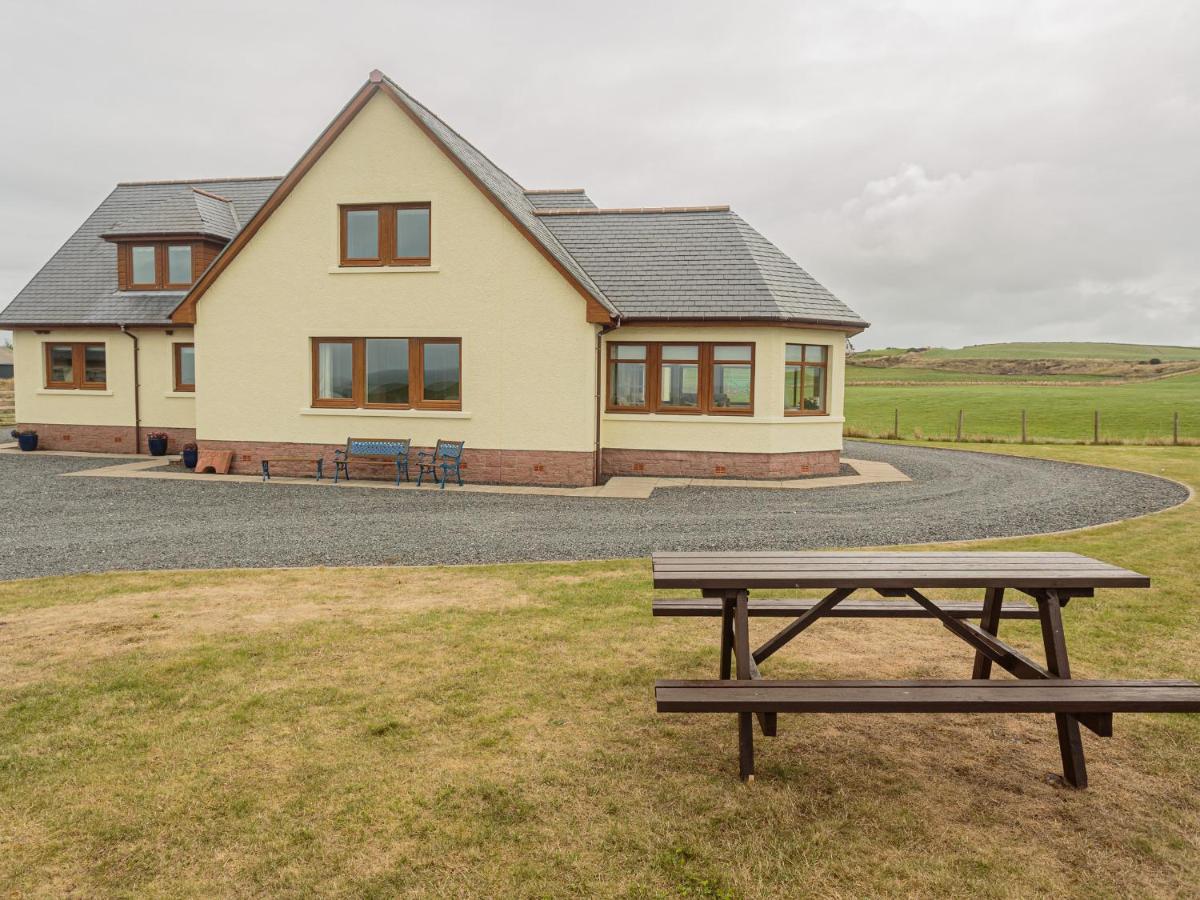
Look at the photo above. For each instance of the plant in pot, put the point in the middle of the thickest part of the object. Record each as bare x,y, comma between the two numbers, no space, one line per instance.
191,455
26,440
157,442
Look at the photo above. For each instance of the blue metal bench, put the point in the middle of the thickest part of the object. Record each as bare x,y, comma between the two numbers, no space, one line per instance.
446,456
372,450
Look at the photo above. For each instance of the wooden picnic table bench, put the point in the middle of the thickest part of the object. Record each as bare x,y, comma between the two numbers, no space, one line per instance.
1050,580
310,460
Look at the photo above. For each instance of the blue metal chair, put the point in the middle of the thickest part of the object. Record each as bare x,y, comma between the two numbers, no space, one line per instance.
446,455
372,450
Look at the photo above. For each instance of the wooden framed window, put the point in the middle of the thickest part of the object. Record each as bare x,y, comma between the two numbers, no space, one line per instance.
185,367
628,370
384,234
76,366
387,373
156,265
806,380
681,378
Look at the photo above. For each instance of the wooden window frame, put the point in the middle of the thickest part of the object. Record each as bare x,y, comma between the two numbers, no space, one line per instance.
177,355
713,362
654,363
802,366
387,234
416,374
78,365
161,265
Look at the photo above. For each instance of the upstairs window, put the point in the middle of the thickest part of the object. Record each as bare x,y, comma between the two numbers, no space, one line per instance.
385,234
668,377
806,380
143,267
76,367
387,373
158,265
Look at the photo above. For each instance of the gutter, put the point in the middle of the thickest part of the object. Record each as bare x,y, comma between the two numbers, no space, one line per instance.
137,392
600,333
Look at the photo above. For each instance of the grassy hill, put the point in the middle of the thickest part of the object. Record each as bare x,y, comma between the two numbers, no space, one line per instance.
1059,386
1048,350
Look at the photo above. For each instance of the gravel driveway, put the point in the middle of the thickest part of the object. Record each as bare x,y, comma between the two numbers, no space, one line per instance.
56,525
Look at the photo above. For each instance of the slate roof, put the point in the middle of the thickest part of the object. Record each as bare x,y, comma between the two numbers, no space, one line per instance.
510,194
705,263
572,198
78,286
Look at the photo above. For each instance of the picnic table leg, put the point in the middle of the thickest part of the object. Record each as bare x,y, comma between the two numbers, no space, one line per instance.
741,637
727,605
1070,743
993,600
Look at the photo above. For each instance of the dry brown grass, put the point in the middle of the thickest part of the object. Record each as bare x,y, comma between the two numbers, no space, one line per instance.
491,732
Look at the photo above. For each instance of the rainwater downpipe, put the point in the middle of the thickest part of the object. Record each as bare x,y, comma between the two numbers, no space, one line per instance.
137,391
600,333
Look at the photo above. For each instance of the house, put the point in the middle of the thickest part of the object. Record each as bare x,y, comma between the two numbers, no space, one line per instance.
397,283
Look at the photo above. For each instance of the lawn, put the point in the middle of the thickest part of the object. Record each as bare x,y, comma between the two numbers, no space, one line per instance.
490,731
1136,411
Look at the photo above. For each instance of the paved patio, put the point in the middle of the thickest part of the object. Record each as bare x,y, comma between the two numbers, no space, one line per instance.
58,525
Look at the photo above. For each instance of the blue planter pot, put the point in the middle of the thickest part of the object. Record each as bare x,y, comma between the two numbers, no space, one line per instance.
190,458
158,446
27,442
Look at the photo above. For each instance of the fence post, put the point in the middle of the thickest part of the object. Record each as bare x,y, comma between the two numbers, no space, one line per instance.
1175,430
960,424
1024,432
1096,427
896,426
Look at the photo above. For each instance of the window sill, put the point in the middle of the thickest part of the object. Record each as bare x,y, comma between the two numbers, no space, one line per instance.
73,392
375,270
733,420
181,394
388,413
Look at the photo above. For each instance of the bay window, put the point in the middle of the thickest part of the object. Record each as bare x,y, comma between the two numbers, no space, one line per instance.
670,377
387,373
806,380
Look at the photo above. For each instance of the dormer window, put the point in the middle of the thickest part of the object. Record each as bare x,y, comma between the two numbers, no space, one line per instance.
385,234
155,266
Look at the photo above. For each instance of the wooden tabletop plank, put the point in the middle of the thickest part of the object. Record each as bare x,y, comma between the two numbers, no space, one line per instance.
887,569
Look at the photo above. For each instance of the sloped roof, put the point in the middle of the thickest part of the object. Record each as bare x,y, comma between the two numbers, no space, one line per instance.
501,186
703,263
185,211
78,286
560,198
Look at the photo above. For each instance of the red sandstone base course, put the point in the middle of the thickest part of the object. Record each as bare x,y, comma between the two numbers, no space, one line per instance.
105,438
710,464
480,465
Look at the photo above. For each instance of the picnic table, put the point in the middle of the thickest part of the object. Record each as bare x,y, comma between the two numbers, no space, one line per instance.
1049,580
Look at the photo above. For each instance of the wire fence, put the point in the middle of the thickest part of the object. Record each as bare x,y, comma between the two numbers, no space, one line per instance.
1022,429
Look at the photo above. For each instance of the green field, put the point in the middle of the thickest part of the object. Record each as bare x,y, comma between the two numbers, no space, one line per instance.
1134,412
869,374
1065,350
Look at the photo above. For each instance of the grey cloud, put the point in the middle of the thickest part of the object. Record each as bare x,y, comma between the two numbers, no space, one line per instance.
956,172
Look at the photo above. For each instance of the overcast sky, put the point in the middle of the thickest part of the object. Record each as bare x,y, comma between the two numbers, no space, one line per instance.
957,172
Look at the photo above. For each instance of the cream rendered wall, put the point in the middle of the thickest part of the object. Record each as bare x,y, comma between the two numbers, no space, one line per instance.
768,430
528,354
114,405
